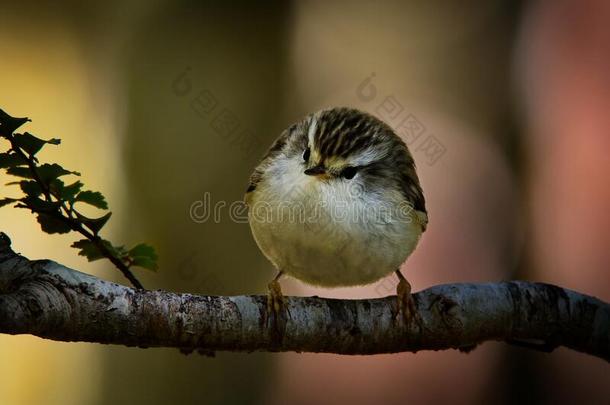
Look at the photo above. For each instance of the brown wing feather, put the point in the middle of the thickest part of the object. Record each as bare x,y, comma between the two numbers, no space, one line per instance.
409,181
413,193
273,151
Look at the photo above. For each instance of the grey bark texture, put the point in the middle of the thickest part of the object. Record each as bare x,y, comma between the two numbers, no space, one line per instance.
46,299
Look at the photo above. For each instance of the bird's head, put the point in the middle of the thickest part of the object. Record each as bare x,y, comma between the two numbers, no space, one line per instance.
343,144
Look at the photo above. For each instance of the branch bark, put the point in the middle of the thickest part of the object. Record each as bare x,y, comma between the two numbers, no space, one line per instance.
49,300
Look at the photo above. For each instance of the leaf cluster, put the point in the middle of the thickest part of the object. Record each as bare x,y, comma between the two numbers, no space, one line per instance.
55,194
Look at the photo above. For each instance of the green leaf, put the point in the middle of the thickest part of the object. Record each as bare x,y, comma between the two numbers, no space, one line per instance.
32,144
94,198
143,249
50,224
11,160
56,186
94,224
6,201
63,192
119,251
39,205
30,188
29,143
89,249
144,255
49,172
68,193
145,262
24,172
9,124
46,172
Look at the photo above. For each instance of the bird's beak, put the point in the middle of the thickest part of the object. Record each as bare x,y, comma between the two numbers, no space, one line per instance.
319,171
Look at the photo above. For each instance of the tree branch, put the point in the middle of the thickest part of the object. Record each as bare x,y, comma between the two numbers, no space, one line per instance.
49,300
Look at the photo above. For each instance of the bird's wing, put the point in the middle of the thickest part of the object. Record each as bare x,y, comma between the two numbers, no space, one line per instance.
258,173
412,191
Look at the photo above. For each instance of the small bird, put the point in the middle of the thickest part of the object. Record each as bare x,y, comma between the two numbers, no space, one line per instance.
336,202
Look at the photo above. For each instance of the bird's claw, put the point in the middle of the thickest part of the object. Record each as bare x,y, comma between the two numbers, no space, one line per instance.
276,302
405,303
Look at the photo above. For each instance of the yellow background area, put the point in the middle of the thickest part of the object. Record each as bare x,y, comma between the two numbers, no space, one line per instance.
44,77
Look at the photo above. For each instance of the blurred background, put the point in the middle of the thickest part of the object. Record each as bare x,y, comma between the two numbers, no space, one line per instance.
159,103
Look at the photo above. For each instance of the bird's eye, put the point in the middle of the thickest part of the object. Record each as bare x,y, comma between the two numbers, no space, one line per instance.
306,155
349,172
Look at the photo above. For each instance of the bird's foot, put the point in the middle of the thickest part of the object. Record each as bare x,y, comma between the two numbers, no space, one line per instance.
405,303
276,302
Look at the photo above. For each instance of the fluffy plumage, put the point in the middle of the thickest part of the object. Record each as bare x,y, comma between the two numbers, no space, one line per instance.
336,200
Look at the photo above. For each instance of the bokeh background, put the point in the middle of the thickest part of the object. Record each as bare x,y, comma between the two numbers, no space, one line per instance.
160,103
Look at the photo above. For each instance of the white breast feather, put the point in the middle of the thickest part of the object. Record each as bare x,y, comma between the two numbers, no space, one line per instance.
336,235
